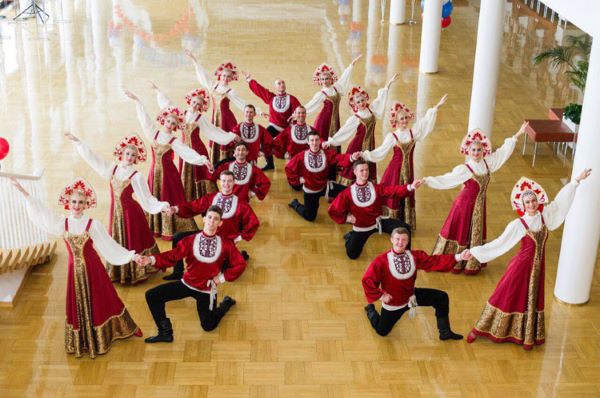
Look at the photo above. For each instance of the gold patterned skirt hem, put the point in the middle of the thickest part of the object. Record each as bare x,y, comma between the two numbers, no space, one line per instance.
116,327
449,246
500,326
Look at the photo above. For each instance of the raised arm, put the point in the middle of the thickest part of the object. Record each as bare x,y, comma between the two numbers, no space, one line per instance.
188,154
450,180
343,83
425,124
513,232
214,133
161,98
378,106
379,153
555,212
143,196
239,102
203,77
108,248
315,103
100,166
260,91
502,154
43,217
345,132
146,122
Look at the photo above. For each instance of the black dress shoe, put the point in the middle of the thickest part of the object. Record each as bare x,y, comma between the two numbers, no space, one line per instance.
165,333
226,304
245,255
294,204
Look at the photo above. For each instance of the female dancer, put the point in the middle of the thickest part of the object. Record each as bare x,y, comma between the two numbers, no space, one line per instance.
96,316
195,179
399,171
165,183
465,225
362,122
327,121
128,225
221,95
515,311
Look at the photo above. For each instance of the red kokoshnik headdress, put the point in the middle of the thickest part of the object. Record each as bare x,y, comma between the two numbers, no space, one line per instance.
356,91
78,186
322,69
200,93
171,111
230,66
526,186
399,107
131,141
472,136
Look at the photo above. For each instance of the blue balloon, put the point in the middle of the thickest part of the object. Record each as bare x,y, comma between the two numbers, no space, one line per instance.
447,9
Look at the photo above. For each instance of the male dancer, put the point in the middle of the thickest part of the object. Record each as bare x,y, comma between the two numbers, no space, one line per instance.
308,169
391,278
249,180
238,219
294,139
254,135
361,205
281,107
206,253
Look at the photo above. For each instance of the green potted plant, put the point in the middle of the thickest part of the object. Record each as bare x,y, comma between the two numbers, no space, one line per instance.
575,55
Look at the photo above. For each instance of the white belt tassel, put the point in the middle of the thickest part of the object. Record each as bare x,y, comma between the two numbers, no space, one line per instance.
378,224
213,293
412,305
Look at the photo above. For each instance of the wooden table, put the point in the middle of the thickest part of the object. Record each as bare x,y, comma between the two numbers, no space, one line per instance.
543,130
555,113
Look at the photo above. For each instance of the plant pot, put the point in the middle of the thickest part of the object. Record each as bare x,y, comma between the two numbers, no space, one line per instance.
574,127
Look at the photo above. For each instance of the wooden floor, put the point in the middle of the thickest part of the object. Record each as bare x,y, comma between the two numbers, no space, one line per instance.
299,329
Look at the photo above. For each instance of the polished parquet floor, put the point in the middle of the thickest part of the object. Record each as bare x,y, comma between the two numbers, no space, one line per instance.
299,329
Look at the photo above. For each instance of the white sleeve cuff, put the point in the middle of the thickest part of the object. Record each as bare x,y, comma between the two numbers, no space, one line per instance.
457,257
152,260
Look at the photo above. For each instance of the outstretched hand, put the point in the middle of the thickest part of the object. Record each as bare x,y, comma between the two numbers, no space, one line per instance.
584,174
418,183
392,80
442,101
355,60
18,186
325,145
356,156
190,54
246,75
169,211
521,130
130,95
466,255
142,261
71,137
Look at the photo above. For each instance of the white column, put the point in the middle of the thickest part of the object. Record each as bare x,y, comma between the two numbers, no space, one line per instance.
430,36
397,12
581,234
487,65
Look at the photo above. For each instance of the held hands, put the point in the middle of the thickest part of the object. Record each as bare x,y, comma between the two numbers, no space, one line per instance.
350,219
246,75
142,261
170,211
418,183
392,80
237,138
584,174
355,60
71,137
265,115
386,298
442,101
521,130
466,255
18,186
355,156
325,145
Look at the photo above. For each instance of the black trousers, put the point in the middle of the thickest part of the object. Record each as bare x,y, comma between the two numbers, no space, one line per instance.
178,268
438,299
158,296
311,205
273,131
357,240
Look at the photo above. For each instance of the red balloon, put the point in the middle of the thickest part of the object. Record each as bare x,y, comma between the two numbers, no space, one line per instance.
4,148
446,21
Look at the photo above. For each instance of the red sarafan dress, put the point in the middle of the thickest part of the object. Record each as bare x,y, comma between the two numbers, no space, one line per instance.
465,225
128,224
362,124
327,121
95,315
196,179
515,310
222,116
165,184
400,169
